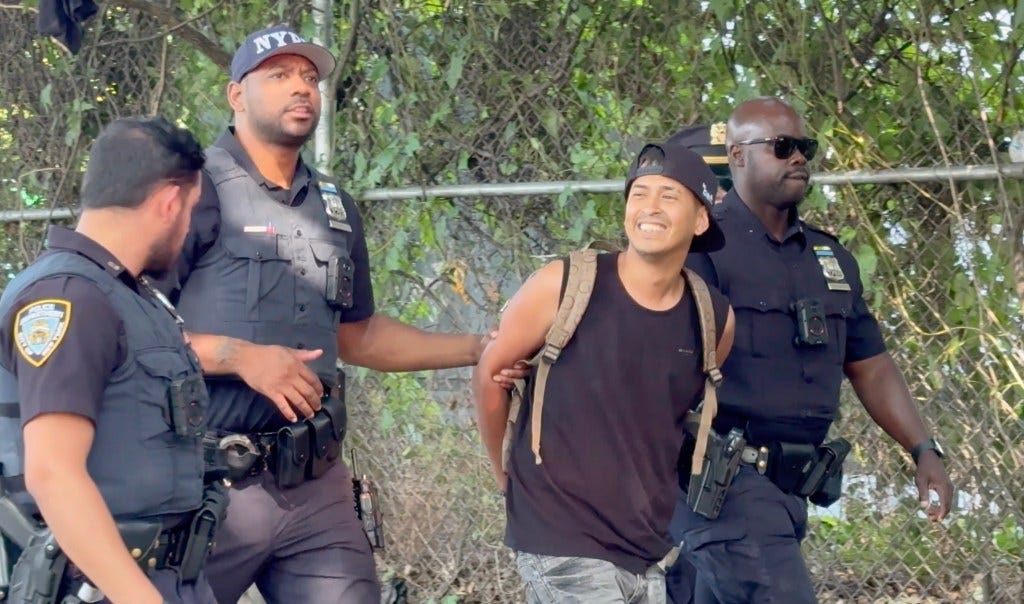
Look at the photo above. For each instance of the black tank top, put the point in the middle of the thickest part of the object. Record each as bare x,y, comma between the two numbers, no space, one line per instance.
611,432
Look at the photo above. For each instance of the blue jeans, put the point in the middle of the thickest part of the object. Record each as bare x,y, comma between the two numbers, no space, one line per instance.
558,580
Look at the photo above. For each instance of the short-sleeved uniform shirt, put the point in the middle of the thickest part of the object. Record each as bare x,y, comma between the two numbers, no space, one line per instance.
777,388
233,405
70,376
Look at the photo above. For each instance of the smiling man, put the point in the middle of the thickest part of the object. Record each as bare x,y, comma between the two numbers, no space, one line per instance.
590,490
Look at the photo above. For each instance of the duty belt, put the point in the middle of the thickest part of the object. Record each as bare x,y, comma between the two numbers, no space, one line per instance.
300,451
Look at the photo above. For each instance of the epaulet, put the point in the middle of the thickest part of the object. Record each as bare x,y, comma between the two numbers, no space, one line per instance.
817,229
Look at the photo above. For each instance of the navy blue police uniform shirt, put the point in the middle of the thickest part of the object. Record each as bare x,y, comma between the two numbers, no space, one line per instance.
775,388
62,338
229,396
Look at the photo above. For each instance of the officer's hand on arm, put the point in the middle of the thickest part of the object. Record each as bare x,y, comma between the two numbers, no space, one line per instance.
524,323
382,343
507,377
883,392
56,448
277,372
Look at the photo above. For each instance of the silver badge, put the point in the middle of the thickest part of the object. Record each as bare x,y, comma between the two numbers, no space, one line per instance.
334,206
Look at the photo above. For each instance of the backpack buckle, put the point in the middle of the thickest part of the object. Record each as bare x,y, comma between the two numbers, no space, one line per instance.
550,353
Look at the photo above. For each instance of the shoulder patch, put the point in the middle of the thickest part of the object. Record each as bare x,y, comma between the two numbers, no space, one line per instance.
39,329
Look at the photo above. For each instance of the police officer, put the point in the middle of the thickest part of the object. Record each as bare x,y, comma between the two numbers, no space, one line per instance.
103,400
801,324
275,283
707,140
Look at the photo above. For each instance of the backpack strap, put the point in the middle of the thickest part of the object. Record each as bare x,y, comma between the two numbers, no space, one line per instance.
580,284
709,341
582,272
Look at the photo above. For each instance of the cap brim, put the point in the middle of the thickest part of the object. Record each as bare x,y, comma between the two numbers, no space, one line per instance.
320,57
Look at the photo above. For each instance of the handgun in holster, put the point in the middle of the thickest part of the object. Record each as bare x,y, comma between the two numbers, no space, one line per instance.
368,509
36,576
705,492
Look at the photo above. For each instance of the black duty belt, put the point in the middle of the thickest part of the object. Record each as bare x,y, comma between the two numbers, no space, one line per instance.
298,452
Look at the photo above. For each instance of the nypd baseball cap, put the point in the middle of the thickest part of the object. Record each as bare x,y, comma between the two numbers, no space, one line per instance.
279,40
688,169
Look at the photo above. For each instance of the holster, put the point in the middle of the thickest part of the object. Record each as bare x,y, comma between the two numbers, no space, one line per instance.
37,575
202,531
705,492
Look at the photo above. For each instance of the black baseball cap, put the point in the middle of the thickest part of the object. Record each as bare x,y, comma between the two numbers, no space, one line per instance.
688,169
278,40
708,140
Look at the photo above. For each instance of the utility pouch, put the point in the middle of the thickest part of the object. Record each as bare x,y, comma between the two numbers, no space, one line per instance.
327,434
141,537
789,463
293,446
202,530
340,272
188,398
830,487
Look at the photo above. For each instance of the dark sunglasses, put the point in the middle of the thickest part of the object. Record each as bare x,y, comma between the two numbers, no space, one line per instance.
784,146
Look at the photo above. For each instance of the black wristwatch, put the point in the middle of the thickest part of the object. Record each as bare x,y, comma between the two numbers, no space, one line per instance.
925,445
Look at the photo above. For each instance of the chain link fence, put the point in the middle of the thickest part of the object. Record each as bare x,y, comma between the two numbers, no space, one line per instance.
472,93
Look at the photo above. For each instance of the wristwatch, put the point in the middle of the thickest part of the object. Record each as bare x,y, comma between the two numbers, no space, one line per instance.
925,445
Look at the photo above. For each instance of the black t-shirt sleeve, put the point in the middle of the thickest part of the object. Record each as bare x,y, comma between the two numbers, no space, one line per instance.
863,336
202,234
362,285
62,340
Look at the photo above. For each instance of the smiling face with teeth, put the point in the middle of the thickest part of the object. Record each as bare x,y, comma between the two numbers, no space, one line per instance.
662,216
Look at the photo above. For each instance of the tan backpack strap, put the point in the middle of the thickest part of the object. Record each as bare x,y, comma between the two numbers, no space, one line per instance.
515,404
709,341
578,287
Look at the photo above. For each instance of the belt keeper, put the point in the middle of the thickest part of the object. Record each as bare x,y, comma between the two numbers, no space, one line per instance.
762,460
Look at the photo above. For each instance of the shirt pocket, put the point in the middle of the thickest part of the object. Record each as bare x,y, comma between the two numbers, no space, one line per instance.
263,266
765,327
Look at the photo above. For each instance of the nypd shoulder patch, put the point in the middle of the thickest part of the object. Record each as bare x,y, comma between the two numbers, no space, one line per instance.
39,329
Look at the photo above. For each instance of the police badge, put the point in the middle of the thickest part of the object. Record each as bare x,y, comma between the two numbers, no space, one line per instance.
717,132
335,208
835,279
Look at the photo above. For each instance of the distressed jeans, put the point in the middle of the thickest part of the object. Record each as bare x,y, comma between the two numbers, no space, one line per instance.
571,580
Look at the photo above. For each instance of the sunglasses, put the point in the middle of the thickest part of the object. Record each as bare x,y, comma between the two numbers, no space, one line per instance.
784,146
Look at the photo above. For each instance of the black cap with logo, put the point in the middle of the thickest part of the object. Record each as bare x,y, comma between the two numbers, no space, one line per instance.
688,169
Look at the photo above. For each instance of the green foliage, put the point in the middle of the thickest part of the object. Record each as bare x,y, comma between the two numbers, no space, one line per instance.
551,90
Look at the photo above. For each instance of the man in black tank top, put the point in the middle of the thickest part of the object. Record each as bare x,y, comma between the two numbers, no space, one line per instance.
589,509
